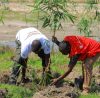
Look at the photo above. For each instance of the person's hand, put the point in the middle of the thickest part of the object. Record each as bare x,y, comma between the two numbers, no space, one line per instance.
54,39
54,81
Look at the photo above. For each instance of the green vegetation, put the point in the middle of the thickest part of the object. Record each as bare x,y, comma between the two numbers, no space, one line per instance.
54,13
5,54
89,96
21,16
58,61
57,11
16,91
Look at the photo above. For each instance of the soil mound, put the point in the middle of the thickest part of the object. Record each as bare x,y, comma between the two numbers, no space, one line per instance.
3,93
4,77
65,91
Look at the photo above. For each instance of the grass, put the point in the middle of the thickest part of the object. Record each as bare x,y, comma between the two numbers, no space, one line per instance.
58,61
89,96
5,54
20,16
21,0
16,92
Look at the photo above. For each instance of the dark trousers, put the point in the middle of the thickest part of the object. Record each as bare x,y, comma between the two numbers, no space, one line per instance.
18,66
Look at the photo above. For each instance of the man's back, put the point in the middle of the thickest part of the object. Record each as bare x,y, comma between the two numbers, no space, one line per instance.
26,33
82,45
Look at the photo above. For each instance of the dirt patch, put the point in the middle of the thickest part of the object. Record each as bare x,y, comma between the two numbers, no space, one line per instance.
96,74
13,6
69,89
10,28
3,93
64,91
4,77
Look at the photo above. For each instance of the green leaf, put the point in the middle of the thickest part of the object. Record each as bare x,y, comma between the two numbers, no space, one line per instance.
46,21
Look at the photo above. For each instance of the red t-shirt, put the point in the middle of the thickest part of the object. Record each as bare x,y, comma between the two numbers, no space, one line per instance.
87,47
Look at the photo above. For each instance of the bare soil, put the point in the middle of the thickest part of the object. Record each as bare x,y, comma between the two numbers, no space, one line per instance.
67,90
4,76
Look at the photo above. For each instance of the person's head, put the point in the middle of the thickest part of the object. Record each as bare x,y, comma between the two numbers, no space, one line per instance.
36,46
64,47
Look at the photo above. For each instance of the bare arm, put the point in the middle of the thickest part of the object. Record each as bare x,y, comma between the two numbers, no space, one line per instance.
46,62
71,65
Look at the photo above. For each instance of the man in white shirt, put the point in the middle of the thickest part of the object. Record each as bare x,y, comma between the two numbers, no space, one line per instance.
29,40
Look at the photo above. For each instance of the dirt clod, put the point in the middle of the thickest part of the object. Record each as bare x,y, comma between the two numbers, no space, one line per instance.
65,91
3,93
4,77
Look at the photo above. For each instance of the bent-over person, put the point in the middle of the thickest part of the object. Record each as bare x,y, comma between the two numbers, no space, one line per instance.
29,40
79,48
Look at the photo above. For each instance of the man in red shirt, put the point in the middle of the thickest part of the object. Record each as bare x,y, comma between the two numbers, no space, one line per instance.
82,49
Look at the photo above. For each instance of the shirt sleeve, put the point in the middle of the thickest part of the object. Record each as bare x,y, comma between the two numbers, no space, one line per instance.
45,45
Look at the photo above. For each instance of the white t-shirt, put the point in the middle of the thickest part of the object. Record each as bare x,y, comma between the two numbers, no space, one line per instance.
27,36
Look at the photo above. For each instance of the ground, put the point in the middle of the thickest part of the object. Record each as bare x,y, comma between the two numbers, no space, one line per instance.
65,89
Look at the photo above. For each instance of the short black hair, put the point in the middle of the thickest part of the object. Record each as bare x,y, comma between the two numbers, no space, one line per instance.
63,45
36,45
